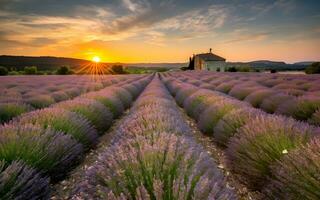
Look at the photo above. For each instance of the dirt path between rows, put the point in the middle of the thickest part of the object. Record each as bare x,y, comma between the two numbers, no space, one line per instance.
219,156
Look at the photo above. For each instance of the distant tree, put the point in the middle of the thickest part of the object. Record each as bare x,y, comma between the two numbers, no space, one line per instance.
314,68
118,69
14,73
30,70
231,69
3,71
273,71
244,69
191,63
63,70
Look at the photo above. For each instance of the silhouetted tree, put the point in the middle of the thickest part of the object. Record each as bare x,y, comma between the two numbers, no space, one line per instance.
3,71
313,69
64,70
30,70
232,69
273,71
118,69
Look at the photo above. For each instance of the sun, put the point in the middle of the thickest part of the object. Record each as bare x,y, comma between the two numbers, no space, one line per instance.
96,59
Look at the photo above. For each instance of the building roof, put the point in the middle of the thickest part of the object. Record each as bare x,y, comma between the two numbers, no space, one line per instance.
210,57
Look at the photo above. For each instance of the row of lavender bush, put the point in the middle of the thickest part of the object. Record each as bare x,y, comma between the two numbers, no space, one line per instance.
20,94
153,156
295,96
276,155
45,144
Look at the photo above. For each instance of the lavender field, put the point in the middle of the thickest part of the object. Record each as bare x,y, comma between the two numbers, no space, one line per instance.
172,135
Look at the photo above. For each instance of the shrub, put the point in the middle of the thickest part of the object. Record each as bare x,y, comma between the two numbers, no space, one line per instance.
194,100
314,68
212,114
315,119
118,69
18,181
46,150
256,97
30,70
73,92
94,111
271,104
228,125
3,71
64,70
231,69
40,101
296,176
14,73
261,143
184,93
207,86
134,91
226,87
59,96
294,92
241,92
125,96
109,100
62,120
301,108
10,110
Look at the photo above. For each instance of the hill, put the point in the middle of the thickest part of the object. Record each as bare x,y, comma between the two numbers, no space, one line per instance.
269,65
52,63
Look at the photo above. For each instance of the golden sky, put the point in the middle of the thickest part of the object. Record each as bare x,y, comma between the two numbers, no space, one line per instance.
161,31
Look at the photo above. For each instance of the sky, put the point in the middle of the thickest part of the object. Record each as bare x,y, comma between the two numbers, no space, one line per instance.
162,31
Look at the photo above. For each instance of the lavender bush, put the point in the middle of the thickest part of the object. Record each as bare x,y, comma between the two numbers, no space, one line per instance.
19,181
315,119
212,114
40,101
108,99
62,120
270,104
228,125
125,96
10,110
241,92
256,97
261,143
296,176
94,111
46,150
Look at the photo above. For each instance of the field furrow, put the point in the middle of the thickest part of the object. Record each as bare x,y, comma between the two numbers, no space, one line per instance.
256,144
153,155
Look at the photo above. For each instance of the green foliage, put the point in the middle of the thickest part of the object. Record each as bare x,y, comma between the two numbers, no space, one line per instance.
231,69
14,73
30,70
239,69
64,70
118,69
10,110
3,71
313,69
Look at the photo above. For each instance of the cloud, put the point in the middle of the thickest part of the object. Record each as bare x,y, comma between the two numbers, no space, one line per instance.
243,35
